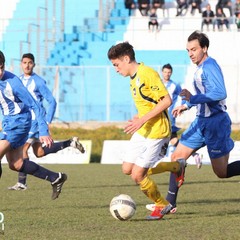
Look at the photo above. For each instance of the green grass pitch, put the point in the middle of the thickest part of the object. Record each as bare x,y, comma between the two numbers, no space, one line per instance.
208,207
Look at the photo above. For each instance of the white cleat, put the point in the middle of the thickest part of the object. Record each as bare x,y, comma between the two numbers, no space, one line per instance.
76,144
151,207
18,186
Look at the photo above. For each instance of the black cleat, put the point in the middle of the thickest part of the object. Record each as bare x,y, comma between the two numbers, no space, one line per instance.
57,185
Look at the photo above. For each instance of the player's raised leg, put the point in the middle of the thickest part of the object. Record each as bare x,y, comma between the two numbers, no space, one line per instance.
41,151
16,163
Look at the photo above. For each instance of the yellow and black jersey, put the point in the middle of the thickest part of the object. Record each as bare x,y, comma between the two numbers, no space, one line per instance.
147,90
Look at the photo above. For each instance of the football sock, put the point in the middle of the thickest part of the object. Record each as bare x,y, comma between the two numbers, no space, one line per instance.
56,147
233,169
149,188
164,167
22,177
172,190
34,169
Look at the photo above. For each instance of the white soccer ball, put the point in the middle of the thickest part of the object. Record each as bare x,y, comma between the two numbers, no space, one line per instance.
122,207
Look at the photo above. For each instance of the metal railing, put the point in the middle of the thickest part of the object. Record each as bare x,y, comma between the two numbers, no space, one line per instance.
98,93
37,35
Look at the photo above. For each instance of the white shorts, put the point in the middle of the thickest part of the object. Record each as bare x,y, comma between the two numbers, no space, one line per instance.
145,152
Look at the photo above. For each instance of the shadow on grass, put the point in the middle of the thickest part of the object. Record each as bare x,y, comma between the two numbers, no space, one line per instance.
214,181
211,201
103,186
186,182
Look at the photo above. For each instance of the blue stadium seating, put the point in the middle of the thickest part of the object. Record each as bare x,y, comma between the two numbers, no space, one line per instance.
24,17
90,49
79,87
87,40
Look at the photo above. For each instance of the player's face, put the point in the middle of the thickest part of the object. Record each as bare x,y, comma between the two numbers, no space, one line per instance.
2,68
121,66
196,53
166,73
27,66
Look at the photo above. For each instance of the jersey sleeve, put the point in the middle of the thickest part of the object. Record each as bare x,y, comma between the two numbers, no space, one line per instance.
214,87
47,95
22,93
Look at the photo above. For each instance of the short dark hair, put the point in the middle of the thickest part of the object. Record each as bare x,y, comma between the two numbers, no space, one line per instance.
121,50
28,55
168,66
201,37
2,59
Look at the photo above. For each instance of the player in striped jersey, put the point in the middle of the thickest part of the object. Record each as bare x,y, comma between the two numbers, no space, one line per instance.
212,125
15,104
39,91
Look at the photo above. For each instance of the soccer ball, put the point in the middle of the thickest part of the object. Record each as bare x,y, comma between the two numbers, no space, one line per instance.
122,207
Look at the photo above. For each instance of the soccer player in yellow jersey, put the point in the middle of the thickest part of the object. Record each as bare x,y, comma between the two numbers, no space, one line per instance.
150,128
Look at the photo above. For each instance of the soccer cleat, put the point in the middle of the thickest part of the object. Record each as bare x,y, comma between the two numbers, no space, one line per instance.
76,144
18,186
159,212
180,174
151,208
57,185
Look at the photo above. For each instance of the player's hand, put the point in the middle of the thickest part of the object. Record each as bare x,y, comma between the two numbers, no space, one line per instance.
133,125
46,140
178,110
185,94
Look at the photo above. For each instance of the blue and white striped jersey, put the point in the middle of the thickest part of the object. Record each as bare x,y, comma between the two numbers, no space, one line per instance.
39,91
210,91
15,99
174,90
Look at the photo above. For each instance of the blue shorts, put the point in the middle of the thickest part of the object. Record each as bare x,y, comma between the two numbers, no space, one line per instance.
34,131
15,129
213,132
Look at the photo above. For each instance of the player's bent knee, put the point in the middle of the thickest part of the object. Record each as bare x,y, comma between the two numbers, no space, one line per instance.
221,174
137,177
39,155
126,172
127,168
14,167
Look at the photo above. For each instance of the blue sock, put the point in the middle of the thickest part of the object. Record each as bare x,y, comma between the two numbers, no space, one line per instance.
233,169
172,190
56,147
34,169
22,177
